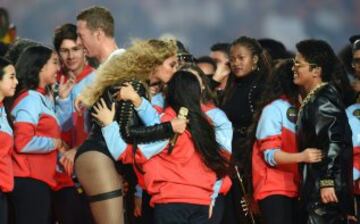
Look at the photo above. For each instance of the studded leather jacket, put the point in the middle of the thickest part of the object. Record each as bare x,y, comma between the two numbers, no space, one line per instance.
323,124
132,129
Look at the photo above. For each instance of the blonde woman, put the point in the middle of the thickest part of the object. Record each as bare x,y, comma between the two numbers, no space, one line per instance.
95,164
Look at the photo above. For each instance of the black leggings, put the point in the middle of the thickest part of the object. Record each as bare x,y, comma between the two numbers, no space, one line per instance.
3,208
71,207
31,201
278,209
182,213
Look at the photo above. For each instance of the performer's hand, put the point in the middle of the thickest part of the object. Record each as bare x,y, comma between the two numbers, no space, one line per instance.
351,219
59,144
127,92
137,206
67,161
178,125
311,155
222,71
102,112
66,87
328,195
79,105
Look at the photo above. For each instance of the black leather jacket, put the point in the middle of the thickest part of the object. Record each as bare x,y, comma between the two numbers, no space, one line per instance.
323,124
132,129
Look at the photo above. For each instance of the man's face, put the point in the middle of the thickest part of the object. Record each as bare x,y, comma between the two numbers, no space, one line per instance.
219,57
72,55
303,71
87,38
356,63
207,68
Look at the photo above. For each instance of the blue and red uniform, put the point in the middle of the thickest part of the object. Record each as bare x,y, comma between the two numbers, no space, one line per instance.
275,131
353,114
6,169
36,125
182,173
158,102
6,148
76,130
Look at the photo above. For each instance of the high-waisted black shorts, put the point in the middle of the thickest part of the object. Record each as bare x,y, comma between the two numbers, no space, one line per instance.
95,142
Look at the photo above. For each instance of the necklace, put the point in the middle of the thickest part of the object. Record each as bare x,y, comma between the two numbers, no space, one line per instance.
310,95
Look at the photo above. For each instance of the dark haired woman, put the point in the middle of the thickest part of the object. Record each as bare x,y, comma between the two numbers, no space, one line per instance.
274,157
250,67
37,134
183,181
219,119
8,84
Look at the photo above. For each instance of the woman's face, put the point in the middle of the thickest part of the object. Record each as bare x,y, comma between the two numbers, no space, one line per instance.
8,82
165,71
49,71
242,61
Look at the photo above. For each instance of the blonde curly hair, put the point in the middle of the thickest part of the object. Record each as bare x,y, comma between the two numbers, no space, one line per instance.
137,62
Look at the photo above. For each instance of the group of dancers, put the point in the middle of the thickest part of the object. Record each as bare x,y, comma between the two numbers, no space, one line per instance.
150,135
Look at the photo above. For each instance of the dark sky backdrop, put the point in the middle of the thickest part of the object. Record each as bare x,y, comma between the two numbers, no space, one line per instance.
199,23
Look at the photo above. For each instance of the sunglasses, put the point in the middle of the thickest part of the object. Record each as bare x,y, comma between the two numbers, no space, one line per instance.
299,65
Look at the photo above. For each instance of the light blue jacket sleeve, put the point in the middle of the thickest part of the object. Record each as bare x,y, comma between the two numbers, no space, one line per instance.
34,144
147,113
64,110
117,145
223,128
114,141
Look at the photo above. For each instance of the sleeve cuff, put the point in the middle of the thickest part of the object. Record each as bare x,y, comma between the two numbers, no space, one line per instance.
356,174
327,183
138,191
110,127
269,157
143,105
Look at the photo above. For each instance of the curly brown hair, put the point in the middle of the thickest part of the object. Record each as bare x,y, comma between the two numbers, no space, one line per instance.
137,62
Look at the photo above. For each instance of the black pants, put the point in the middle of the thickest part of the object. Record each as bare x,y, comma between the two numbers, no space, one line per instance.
181,213
31,200
318,213
278,209
70,207
3,208
234,213
147,212
357,198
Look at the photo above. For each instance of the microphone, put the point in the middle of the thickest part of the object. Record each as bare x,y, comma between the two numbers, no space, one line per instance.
183,113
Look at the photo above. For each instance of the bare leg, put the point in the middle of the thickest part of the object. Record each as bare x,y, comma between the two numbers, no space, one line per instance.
98,176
